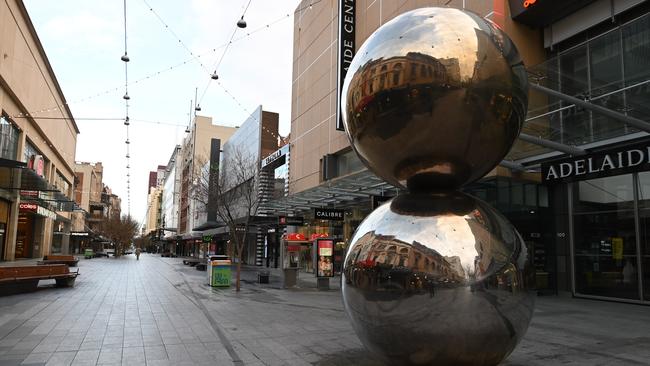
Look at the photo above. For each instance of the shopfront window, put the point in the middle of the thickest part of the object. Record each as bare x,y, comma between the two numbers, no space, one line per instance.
605,245
644,231
8,138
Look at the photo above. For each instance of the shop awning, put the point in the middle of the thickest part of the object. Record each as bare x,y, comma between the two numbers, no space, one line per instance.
349,189
15,176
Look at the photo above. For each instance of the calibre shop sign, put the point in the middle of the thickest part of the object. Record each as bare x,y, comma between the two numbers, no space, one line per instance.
624,160
328,214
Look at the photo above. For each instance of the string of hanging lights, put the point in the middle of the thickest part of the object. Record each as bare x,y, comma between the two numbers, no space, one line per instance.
125,59
153,75
241,23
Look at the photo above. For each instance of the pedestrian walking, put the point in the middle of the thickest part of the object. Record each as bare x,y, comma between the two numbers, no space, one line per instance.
137,254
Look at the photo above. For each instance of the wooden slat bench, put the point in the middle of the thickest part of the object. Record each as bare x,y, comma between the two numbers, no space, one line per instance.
70,260
19,279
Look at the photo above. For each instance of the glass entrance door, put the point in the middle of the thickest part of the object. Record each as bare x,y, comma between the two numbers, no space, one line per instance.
605,238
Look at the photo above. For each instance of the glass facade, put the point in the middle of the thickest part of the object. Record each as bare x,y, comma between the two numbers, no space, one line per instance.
8,139
610,236
609,69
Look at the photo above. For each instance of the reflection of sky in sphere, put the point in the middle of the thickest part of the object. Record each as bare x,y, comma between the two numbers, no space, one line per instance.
449,235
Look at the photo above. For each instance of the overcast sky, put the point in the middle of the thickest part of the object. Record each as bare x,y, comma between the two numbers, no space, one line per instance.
84,41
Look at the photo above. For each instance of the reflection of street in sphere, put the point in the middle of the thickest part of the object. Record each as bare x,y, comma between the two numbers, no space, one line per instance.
438,279
434,99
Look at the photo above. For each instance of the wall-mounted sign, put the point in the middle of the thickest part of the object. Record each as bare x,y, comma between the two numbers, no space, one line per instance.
283,151
27,207
331,214
528,3
46,213
628,159
79,234
324,251
291,220
207,238
347,24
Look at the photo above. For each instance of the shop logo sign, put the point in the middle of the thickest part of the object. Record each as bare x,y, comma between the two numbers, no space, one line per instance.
528,3
619,161
347,25
28,207
328,214
291,220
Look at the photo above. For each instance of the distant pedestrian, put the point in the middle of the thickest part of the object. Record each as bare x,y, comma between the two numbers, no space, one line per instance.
137,254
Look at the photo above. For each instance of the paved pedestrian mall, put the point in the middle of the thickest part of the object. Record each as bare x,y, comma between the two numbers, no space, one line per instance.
156,311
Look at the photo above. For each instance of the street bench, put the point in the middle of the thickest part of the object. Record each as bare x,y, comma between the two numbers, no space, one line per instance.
202,265
17,279
191,261
70,260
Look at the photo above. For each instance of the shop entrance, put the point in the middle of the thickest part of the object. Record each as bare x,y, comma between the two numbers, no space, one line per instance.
24,236
611,237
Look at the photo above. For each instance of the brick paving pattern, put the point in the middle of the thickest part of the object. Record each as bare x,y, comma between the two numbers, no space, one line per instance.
157,311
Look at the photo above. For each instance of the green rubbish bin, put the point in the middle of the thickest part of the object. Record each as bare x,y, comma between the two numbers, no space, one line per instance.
219,271
88,253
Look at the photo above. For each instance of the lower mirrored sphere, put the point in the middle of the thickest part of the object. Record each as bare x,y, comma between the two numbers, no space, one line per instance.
438,278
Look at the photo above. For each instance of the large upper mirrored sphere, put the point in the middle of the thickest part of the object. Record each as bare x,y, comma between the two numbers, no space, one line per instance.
434,98
438,279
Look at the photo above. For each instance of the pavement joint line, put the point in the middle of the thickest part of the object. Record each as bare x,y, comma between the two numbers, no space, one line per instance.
24,321
222,336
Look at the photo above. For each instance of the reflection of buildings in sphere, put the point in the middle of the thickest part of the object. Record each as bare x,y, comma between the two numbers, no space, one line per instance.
444,91
440,282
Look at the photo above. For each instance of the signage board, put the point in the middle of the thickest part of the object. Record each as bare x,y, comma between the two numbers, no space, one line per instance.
275,155
291,220
27,207
45,212
623,160
79,234
324,251
207,238
346,45
331,214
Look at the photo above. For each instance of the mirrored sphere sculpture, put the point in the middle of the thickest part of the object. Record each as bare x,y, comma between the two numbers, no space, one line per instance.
433,100
438,278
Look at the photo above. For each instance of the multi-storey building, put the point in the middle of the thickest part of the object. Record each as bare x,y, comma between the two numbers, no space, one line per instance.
170,201
194,152
575,182
38,137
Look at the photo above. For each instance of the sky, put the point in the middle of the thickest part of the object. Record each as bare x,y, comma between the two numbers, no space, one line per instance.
84,41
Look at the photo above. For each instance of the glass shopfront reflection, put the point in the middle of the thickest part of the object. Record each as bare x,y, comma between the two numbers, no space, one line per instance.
608,244
644,231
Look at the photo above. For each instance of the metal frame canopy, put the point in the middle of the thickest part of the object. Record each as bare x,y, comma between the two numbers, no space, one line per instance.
16,176
339,191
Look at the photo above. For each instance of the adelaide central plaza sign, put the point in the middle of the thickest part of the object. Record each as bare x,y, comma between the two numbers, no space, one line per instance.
628,159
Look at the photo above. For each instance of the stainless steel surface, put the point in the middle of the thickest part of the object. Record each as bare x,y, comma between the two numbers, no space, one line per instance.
434,98
438,278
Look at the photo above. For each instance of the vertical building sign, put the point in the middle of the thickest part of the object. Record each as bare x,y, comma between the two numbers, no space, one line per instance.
347,19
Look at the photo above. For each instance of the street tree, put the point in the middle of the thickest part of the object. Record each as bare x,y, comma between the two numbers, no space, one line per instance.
229,193
235,200
120,230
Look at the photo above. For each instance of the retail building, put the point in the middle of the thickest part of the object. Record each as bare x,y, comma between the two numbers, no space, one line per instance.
576,181
38,138
242,156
